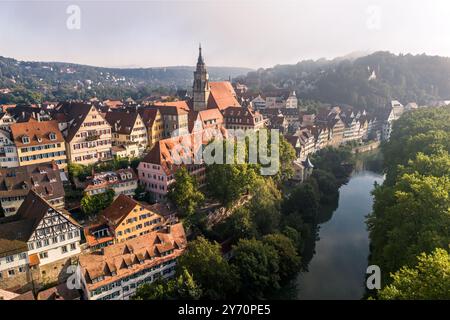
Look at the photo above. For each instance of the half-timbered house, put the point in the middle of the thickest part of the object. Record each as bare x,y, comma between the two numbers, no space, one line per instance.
51,238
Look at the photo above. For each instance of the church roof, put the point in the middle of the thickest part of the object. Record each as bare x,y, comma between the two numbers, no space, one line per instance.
222,95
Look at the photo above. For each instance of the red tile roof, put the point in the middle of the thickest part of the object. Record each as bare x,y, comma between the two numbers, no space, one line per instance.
179,104
126,258
222,95
36,131
119,209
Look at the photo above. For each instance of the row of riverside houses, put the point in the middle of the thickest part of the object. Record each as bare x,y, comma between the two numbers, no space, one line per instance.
130,242
330,126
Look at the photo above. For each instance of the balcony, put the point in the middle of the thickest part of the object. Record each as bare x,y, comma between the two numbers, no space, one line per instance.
92,137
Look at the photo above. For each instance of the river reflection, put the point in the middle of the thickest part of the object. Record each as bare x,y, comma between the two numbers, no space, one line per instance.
337,253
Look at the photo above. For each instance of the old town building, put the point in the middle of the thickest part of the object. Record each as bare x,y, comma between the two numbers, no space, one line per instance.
156,170
118,270
243,118
43,178
122,181
125,219
87,133
38,244
39,142
153,121
211,95
8,151
128,128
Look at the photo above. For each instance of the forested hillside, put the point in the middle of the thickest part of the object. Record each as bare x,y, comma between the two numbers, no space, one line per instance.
37,81
366,82
410,224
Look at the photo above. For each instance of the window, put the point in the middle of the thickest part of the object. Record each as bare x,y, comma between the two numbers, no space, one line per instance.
64,249
11,272
9,259
43,255
62,237
55,239
21,269
30,246
52,136
46,242
22,256
25,139
73,246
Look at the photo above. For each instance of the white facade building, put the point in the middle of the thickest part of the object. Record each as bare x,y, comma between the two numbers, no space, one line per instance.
8,151
292,101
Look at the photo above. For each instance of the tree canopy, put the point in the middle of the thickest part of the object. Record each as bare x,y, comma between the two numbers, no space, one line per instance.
429,279
203,259
184,192
411,210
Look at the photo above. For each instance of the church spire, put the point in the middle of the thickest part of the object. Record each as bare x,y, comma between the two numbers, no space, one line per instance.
200,57
200,87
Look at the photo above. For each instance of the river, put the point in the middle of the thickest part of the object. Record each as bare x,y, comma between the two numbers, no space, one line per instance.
341,248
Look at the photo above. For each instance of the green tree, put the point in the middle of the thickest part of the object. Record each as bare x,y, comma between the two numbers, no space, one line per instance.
258,267
295,236
287,157
182,287
289,260
265,205
410,210
327,185
228,182
184,192
338,161
92,205
303,201
78,171
238,225
204,260
429,279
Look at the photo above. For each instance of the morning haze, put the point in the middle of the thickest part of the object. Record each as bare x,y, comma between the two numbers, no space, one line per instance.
243,33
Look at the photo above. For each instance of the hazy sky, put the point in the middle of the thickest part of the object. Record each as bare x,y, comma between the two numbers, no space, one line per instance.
247,33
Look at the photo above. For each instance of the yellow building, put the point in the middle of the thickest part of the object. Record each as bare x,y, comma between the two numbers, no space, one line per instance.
128,128
153,120
39,142
87,133
126,219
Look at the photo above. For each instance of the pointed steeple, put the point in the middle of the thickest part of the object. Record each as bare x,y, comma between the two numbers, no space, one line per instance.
200,57
201,85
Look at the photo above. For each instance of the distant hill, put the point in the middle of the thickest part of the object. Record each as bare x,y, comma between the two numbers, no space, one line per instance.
34,81
369,82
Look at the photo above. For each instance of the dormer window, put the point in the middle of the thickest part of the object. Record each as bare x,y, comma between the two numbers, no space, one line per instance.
52,136
25,139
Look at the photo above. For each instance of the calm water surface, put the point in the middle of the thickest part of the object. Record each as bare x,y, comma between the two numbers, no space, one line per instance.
338,266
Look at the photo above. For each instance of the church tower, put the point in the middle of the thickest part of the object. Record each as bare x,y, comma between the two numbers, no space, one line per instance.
200,90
